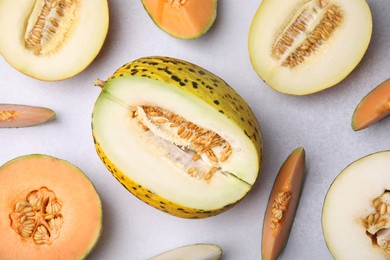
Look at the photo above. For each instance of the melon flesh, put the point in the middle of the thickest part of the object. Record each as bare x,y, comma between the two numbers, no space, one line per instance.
297,49
154,161
78,38
358,192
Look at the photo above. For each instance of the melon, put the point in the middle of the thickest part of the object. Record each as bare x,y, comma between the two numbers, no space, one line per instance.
48,210
373,107
356,210
191,252
177,136
21,115
52,39
184,19
282,205
302,47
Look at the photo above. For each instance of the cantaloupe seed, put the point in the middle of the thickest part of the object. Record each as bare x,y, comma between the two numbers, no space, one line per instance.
177,3
199,142
279,208
50,24
7,115
38,217
377,223
309,28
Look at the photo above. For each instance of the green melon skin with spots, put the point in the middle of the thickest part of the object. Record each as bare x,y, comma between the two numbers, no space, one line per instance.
177,136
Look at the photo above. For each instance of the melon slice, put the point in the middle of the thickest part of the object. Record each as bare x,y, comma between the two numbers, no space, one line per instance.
177,136
191,252
52,39
301,47
184,19
21,115
282,204
48,210
373,107
356,211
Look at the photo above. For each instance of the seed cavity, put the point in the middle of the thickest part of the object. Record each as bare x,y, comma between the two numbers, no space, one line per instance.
203,150
309,29
50,24
279,208
7,115
38,217
176,3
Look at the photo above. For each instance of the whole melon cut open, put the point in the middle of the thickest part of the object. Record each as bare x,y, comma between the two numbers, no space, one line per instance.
177,136
184,19
48,210
301,47
52,39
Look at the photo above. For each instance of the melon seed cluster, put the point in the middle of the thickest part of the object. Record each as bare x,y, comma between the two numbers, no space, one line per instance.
47,31
279,207
38,216
294,53
203,143
6,115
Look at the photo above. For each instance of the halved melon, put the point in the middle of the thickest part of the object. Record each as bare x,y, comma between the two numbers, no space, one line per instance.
301,47
48,210
177,136
21,115
52,39
191,252
282,204
373,107
184,19
356,211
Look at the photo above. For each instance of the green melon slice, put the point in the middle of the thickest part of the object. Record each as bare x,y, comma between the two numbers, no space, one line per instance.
191,252
152,156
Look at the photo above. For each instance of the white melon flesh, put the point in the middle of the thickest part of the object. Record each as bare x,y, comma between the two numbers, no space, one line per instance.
158,164
191,252
349,202
78,39
333,55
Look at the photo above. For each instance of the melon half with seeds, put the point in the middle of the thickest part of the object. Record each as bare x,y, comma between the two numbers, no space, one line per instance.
356,211
52,39
177,136
301,47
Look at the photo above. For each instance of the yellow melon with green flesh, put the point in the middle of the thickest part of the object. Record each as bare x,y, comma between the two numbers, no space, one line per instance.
52,39
373,107
192,252
20,115
184,19
301,47
356,210
177,136
48,210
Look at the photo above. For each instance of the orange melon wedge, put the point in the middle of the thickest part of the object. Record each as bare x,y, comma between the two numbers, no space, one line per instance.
21,115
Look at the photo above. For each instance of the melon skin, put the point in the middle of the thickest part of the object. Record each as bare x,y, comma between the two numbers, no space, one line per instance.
80,232
200,83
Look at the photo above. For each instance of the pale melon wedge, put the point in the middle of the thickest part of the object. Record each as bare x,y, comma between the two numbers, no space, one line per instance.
52,39
191,252
301,47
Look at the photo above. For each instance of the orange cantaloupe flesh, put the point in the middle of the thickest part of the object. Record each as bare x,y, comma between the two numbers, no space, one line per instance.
81,209
21,115
289,179
188,20
373,107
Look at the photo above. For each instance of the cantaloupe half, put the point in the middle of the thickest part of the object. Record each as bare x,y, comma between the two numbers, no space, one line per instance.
52,39
48,210
373,107
356,211
184,19
177,136
21,115
304,46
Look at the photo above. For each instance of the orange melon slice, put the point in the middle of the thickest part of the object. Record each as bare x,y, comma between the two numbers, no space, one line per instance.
373,107
21,115
184,19
48,210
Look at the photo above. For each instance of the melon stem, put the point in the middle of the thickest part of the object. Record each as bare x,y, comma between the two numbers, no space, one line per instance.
99,83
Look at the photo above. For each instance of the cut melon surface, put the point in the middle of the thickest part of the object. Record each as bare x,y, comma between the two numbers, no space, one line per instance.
12,115
64,40
175,142
301,47
191,252
356,210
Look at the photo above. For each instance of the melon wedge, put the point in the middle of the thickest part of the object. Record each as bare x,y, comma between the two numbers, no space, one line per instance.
184,19
301,47
191,252
373,107
48,210
52,39
21,115
356,211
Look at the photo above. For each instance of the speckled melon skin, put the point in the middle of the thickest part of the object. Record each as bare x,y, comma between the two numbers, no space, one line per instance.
199,82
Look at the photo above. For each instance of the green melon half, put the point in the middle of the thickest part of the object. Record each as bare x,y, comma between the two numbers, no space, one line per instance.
155,165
